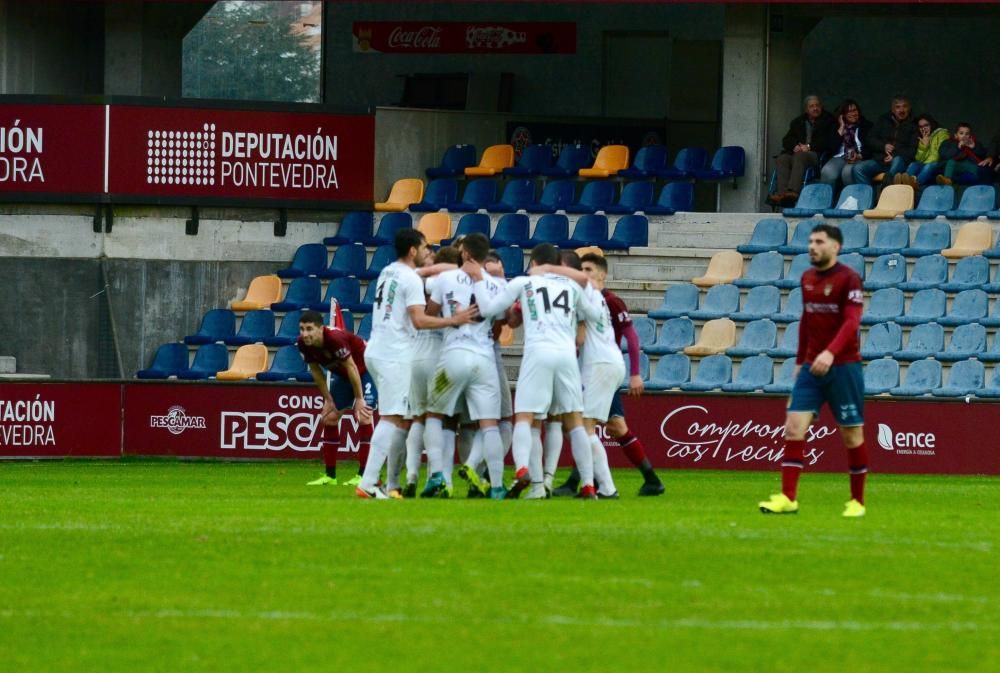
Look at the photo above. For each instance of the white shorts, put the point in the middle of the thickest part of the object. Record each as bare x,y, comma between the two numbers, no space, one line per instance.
506,401
420,382
472,375
601,381
549,381
394,378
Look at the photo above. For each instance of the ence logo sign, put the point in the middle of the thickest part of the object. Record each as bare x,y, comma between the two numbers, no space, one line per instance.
916,443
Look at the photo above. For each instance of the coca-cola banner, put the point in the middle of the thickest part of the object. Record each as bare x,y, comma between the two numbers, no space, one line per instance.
228,421
54,420
456,37
236,154
52,149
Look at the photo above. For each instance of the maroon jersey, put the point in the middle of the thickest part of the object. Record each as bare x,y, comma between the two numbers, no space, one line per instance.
338,346
832,302
620,318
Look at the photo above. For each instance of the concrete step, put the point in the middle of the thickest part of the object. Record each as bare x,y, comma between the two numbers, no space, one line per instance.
8,364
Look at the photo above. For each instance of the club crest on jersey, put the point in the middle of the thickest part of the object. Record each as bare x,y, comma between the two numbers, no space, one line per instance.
827,289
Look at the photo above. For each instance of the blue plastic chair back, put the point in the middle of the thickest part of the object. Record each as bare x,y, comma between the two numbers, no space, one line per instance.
765,267
630,231
886,304
974,270
756,371
671,371
769,233
170,360
591,230
551,228
934,236
440,193
303,291
924,375
558,194
256,326
513,261
473,223
533,160
790,338
511,229
786,374
969,305
928,304
518,194
889,269
643,367
597,194
863,194
480,193
714,371
937,198
854,261
678,196
676,333
681,298
881,375
729,161
347,291
800,237
967,375
968,338
815,196
287,363
310,259
883,339
636,195
891,235
759,336
855,233
650,158
926,338
356,227
454,162
210,359
288,330
930,269
384,256
793,304
645,328
978,199
216,325
365,328
800,264
348,260
762,300
574,157
724,299
691,159
389,225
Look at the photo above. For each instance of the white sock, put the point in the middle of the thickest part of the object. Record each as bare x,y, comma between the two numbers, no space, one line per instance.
583,454
448,454
433,444
535,469
493,448
552,448
397,455
466,437
380,444
414,445
477,452
506,434
521,444
602,472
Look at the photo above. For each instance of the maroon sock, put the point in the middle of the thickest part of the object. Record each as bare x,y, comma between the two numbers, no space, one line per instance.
329,445
633,448
857,461
791,467
364,445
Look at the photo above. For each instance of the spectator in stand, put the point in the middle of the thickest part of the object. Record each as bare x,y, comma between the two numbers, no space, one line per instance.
849,149
930,136
891,145
962,155
809,136
993,160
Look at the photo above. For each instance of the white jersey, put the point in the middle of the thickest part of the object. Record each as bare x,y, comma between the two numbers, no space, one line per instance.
393,335
428,342
599,343
453,291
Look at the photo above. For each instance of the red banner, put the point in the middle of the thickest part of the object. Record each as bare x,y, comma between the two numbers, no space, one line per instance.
54,420
234,154
458,37
54,149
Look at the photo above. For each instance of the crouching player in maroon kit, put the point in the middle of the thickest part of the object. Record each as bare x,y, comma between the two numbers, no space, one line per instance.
343,354
829,361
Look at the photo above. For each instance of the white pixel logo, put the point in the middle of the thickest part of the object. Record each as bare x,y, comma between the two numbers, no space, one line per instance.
181,157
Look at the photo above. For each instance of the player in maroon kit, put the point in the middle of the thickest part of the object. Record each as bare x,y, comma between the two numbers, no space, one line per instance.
343,354
829,360
596,267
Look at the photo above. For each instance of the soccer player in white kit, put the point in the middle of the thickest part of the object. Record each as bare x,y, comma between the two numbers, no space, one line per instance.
397,314
549,376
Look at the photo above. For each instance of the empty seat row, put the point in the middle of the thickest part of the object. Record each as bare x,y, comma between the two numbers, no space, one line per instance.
212,361
766,268
935,201
218,325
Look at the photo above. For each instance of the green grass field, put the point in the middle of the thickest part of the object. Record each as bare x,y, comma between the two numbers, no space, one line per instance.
168,566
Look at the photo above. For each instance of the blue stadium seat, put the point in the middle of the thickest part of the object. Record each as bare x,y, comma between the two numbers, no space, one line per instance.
216,325
728,163
887,271
643,369
533,161
301,293
597,195
934,200
977,200
517,195
855,234
170,360
993,214
287,364
679,300
648,161
686,162
768,234
309,260
855,261
713,372
348,318
754,373
926,306
674,197
792,310
288,331
764,269
970,273
863,197
348,260
789,345
928,272
571,159
478,194
356,227
721,301
814,199
921,378
993,319
672,371
635,197
512,259
758,336
967,341
388,226
968,306
470,223
255,327
881,376
761,302
630,231
440,194
675,335
890,237
883,340
800,264
783,383
589,230
208,361
346,290
368,301
994,252
926,340
512,229
557,195
551,228
365,328
991,390
964,378
931,238
885,305
384,256
454,162
645,329
799,242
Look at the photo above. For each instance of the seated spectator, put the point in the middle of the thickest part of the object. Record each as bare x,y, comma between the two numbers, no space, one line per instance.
852,129
925,166
962,155
892,144
993,160
810,135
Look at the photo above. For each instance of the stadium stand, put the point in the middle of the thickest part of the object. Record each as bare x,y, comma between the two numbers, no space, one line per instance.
346,290
881,376
764,269
925,340
931,238
789,345
589,230
513,261
728,163
672,371
885,305
678,300
800,239
882,341
888,271
557,195
754,373
890,237
967,341
783,382
758,336
287,332
762,301
550,228
964,378
720,301
512,229
384,255
921,378
388,226
792,310
970,273
675,335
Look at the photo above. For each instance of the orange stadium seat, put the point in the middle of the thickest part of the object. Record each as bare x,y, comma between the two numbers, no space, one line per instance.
495,159
893,202
435,227
725,267
249,361
403,193
974,238
716,337
263,291
610,159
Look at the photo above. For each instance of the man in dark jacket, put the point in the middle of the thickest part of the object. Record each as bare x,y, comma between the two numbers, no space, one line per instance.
809,136
892,144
